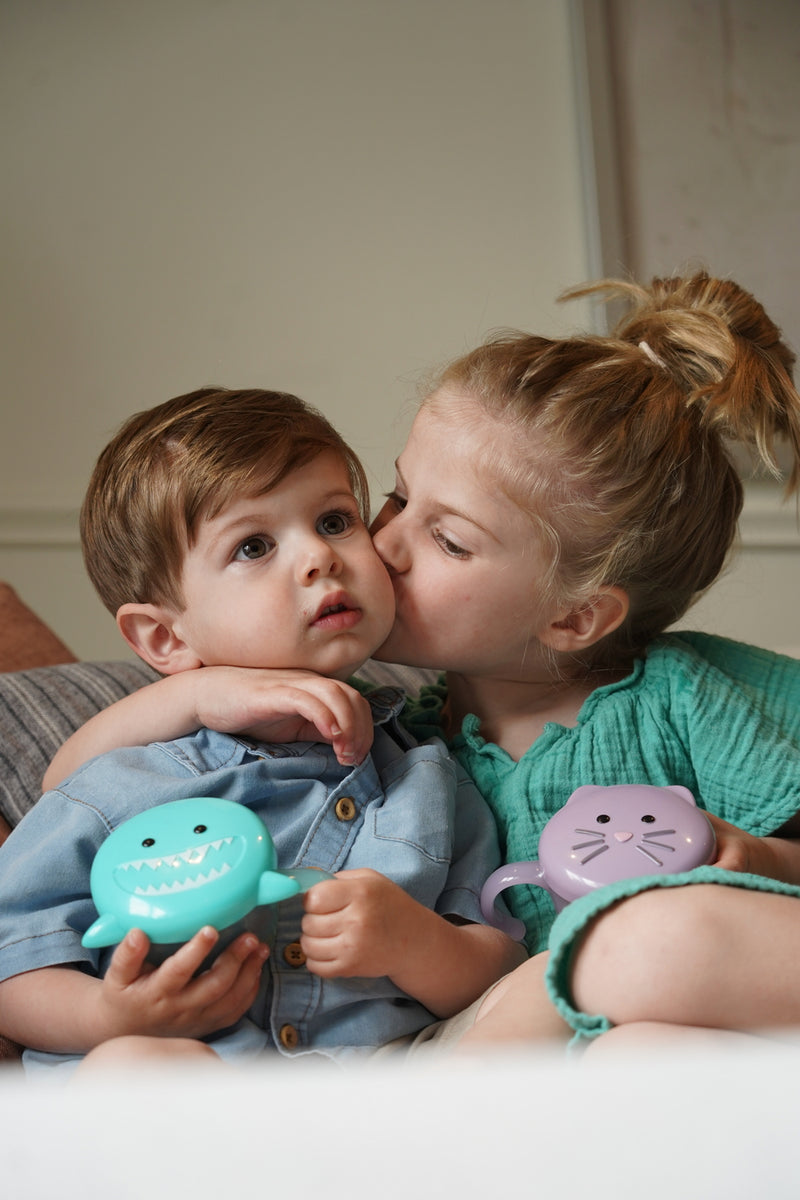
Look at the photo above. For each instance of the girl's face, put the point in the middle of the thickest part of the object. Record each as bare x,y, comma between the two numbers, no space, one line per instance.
463,557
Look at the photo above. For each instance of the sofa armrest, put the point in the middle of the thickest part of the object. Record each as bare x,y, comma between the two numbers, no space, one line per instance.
25,640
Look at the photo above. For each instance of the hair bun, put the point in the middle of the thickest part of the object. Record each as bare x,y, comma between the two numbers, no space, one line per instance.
723,352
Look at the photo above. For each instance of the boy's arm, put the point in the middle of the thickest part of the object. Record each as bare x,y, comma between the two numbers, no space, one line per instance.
271,705
363,924
65,1010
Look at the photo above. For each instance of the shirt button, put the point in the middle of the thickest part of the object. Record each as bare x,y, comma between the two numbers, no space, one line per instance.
293,954
289,1036
345,808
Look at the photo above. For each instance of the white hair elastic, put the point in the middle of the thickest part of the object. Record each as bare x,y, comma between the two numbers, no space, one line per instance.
658,362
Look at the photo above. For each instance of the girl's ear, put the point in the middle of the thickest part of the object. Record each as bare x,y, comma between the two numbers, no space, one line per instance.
149,631
585,626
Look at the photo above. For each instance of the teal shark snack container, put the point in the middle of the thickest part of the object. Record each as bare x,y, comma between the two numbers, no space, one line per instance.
177,867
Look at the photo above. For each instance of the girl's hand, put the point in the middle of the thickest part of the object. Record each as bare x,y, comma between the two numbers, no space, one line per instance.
735,848
168,1000
356,924
775,857
285,706
270,705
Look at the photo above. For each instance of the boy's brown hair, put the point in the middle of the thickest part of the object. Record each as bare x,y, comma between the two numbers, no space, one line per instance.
172,466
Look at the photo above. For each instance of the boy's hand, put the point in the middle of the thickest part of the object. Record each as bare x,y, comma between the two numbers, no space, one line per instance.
285,706
359,923
168,1000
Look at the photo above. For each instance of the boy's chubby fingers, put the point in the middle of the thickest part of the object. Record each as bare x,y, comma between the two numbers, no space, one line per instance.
128,960
326,897
176,971
246,953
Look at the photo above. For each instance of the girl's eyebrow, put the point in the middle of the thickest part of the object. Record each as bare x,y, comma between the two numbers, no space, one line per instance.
452,511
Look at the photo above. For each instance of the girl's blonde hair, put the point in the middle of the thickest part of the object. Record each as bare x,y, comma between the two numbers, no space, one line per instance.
624,460
172,466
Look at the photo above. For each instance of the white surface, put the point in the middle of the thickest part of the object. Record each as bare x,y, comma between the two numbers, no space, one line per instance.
715,1126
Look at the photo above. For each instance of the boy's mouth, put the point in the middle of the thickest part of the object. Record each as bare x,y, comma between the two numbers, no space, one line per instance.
336,612
331,608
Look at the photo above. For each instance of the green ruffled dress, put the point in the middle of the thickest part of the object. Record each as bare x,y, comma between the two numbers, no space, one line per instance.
716,716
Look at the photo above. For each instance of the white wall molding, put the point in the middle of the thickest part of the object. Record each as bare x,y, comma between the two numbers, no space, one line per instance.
38,528
765,523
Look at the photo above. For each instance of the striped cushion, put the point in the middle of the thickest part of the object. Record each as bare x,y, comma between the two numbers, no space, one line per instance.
40,708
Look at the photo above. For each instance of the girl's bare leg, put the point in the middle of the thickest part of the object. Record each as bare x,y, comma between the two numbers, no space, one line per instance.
712,956
648,1037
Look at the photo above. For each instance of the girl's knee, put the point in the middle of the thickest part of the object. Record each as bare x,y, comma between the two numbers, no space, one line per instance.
645,943
670,919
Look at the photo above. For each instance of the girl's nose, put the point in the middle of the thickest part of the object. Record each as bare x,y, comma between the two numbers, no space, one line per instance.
390,543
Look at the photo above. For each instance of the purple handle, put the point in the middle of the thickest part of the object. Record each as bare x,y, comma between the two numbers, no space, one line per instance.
498,881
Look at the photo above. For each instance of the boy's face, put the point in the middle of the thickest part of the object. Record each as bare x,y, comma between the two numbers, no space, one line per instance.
289,579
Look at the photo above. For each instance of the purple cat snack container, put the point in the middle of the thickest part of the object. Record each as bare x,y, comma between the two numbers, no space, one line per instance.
602,835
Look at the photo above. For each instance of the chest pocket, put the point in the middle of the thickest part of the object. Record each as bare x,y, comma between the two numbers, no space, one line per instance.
418,806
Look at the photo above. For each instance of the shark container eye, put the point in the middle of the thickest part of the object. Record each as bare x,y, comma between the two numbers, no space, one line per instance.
603,819
200,828
149,842
648,819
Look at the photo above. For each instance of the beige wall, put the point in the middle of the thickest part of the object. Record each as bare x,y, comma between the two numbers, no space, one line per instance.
330,196
326,197
706,121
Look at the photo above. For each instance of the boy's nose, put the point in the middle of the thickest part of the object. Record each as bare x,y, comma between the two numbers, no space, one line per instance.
319,560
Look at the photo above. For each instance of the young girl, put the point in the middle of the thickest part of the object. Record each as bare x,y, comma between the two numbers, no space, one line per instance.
559,504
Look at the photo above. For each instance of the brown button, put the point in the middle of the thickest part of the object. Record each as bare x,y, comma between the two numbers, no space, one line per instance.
345,808
289,1036
293,954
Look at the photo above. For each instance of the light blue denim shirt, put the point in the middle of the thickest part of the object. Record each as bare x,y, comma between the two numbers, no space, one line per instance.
415,816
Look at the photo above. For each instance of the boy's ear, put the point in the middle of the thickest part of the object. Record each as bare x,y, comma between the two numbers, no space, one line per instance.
149,631
585,626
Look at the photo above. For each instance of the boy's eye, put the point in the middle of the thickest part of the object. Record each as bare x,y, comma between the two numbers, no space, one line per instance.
254,547
334,523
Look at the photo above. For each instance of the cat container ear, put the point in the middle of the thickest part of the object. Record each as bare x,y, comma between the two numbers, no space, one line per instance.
684,792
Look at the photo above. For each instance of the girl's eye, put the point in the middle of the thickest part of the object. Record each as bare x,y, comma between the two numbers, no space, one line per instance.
397,501
450,547
254,547
334,523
